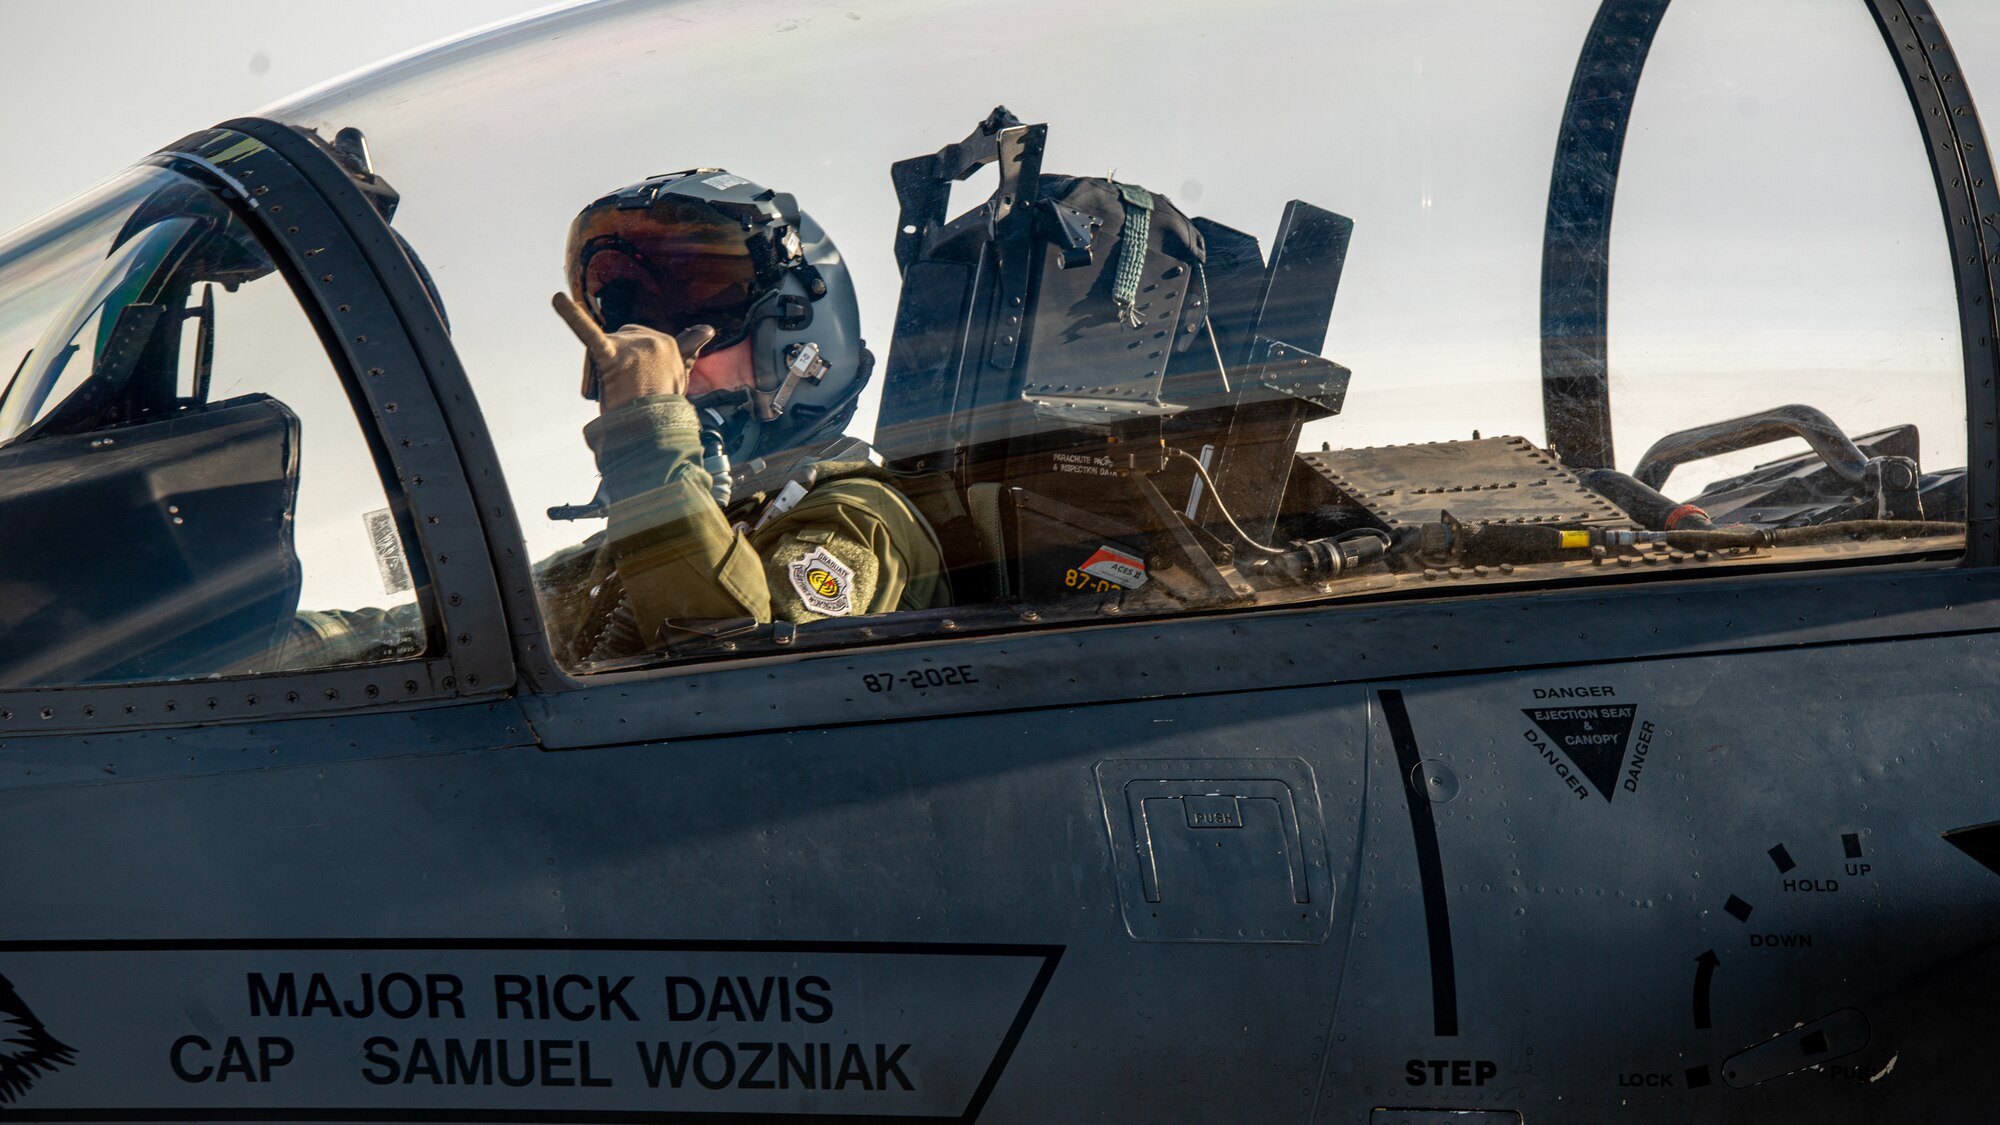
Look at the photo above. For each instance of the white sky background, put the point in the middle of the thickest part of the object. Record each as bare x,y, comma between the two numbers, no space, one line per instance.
90,86
1776,239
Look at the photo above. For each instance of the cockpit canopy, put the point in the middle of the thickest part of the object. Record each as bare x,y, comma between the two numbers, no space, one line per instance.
1217,309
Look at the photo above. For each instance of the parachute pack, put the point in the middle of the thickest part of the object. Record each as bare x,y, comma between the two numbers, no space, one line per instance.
1103,366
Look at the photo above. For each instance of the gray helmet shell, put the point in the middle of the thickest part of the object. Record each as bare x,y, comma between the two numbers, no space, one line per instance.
834,326
808,300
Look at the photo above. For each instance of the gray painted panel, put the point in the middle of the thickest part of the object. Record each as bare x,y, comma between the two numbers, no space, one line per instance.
122,757
1771,860
988,829
1589,935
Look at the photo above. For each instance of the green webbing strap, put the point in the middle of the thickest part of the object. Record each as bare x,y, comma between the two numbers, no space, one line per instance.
1132,250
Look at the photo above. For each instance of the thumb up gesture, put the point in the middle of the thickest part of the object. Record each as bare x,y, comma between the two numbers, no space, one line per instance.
634,361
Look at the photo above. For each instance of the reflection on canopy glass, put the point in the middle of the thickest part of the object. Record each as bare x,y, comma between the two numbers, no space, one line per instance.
1255,322
182,477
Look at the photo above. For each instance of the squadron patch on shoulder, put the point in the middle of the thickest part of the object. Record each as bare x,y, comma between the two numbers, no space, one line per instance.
825,584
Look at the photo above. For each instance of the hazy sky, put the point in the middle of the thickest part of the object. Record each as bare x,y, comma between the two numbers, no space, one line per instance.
92,85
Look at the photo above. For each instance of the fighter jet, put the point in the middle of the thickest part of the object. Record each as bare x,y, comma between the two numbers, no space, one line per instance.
1111,563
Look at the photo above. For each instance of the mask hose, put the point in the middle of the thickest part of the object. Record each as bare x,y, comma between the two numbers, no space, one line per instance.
715,461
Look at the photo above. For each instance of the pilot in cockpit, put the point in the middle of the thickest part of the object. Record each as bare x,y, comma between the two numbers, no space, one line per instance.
731,495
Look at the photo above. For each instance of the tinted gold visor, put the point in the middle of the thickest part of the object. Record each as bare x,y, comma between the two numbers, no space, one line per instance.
668,267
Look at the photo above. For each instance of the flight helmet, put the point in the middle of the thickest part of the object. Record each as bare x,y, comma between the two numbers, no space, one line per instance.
707,247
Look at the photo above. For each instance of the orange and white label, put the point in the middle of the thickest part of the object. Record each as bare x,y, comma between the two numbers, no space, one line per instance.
1116,566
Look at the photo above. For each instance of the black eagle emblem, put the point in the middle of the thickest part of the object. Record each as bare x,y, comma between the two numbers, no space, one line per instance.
27,1050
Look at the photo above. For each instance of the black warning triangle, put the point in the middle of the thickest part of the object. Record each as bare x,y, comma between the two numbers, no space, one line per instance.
1593,737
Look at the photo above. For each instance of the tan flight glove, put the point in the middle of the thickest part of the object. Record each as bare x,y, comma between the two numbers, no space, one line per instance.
633,362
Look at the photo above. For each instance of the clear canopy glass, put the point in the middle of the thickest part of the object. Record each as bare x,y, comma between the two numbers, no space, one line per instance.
1777,238
186,488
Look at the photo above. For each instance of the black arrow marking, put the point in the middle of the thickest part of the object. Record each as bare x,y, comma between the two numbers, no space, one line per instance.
1704,976
1980,841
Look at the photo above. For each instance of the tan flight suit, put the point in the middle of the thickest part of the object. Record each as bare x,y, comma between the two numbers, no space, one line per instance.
325,637
853,545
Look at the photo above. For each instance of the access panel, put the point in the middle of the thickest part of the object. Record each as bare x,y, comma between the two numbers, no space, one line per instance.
1229,850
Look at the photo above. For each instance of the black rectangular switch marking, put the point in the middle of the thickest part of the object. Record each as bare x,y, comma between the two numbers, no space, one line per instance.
1782,858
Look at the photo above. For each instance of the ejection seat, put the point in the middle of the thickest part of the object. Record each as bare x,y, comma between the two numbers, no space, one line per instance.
148,549
1127,382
